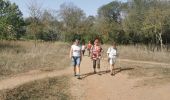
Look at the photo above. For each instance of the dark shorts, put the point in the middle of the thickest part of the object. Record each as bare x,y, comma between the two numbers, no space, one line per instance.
76,61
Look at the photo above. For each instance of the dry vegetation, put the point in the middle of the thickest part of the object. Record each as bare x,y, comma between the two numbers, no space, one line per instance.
149,74
141,52
46,89
17,57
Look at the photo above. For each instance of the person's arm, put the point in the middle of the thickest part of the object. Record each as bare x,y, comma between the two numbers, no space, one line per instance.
91,52
107,54
81,54
117,53
101,51
108,51
71,52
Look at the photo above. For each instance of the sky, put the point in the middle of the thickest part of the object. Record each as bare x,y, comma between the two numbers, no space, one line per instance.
88,6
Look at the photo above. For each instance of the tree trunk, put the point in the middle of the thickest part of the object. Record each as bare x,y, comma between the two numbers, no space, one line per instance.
159,36
161,41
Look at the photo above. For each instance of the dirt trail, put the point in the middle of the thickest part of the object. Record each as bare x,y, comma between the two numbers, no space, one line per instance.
94,86
118,87
144,62
23,78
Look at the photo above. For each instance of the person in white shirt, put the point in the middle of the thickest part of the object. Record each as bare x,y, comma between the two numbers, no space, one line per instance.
83,48
76,57
112,54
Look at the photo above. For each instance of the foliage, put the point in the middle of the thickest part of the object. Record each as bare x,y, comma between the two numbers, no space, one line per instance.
131,22
11,21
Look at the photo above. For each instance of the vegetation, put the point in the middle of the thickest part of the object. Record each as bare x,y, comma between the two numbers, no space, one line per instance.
133,22
17,57
45,89
11,21
142,24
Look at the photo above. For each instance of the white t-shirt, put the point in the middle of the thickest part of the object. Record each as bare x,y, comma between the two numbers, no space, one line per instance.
83,47
112,52
76,50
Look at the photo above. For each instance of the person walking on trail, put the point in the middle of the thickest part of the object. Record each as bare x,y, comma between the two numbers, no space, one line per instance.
89,47
83,48
76,57
112,54
96,51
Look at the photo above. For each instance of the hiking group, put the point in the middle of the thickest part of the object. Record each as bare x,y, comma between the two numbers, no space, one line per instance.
95,52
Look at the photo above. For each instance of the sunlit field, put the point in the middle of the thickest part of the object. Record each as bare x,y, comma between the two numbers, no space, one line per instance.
22,56
18,57
141,52
46,89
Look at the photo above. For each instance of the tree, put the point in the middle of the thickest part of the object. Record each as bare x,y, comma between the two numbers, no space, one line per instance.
135,16
156,20
72,18
109,20
11,20
35,12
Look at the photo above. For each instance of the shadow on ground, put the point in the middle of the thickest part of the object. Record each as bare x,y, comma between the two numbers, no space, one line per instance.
117,70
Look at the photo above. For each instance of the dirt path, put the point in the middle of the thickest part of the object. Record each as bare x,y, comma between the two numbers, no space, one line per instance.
97,87
144,62
23,78
118,87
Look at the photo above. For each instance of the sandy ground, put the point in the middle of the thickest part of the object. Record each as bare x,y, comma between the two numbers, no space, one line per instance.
118,87
100,86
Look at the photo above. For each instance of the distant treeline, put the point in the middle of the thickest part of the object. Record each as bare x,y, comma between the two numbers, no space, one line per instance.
133,22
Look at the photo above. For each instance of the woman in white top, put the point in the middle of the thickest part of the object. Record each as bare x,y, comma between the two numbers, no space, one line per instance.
112,54
76,57
83,48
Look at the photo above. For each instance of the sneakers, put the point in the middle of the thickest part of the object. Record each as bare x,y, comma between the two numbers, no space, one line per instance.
112,74
94,72
78,77
74,74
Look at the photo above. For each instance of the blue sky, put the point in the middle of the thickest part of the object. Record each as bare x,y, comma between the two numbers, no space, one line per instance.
89,6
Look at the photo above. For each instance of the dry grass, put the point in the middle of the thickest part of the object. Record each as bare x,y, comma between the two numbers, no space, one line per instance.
141,53
46,89
17,56
149,75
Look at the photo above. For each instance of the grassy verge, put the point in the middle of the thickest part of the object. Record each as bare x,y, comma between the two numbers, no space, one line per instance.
46,89
141,52
149,75
21,56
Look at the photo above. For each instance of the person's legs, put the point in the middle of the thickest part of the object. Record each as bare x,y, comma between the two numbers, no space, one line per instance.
83,52
98,64
78,71
74,65
112,62
74,70
111,67
78,67
94,65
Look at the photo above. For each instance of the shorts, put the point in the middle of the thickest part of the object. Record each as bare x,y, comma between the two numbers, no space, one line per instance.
112,61
76,61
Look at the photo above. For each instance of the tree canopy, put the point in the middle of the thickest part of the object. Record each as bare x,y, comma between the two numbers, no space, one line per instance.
11,20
